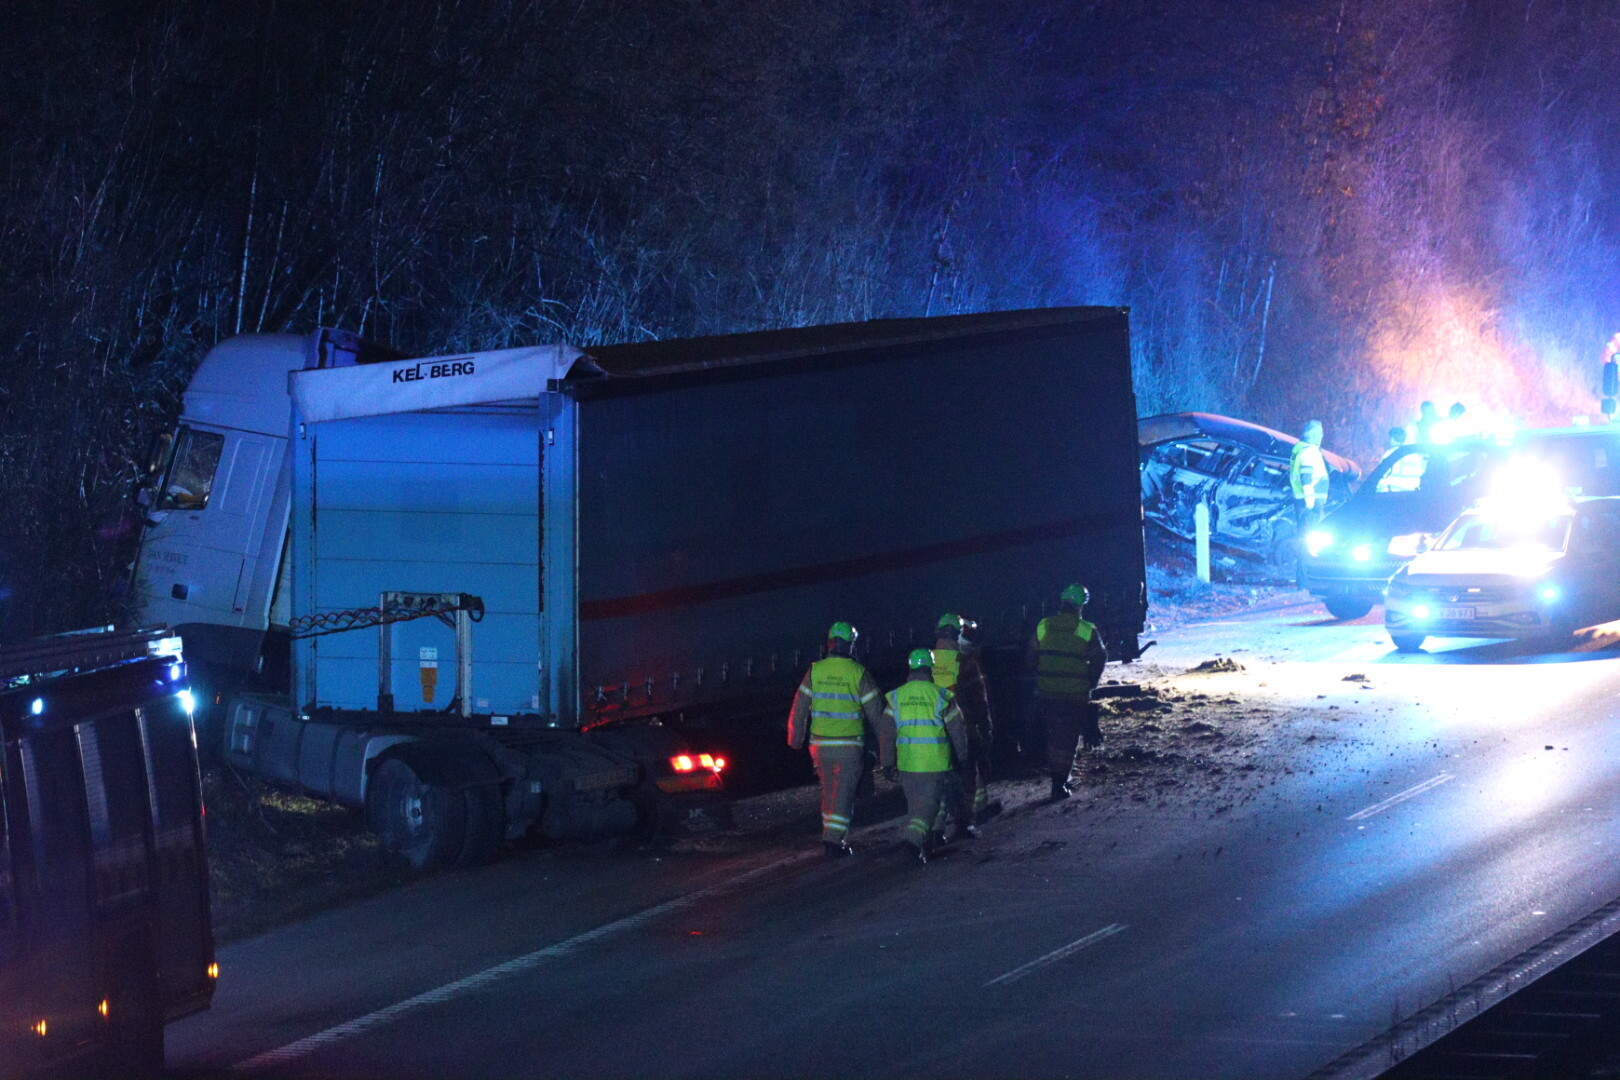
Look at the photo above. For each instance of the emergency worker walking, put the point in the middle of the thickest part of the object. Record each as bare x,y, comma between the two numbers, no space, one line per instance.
836,703
1067,656
956,668
920,730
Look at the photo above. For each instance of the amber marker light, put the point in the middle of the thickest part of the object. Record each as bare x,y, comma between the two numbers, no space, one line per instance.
102,1008
213,970
40,1028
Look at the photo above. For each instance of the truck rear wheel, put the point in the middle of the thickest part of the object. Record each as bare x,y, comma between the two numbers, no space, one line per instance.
1408,642
486,825
485,809
415,811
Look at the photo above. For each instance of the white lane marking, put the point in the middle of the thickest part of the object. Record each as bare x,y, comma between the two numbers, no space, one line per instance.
479,980
1055,955
1378,808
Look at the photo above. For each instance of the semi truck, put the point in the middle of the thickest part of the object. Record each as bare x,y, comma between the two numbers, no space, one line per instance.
494,592
104,919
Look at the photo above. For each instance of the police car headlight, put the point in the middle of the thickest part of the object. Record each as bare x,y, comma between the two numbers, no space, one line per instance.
1318,541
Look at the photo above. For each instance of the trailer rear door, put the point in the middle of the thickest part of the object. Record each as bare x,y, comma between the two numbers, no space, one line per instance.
436,502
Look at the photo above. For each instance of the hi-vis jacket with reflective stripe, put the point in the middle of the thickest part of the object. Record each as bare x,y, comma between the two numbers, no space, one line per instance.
1308,473
1069,657
834,697
921,726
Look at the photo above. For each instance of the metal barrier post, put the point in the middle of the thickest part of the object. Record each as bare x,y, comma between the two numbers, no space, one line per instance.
1201,539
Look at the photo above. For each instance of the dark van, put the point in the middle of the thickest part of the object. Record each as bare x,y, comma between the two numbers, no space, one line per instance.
104,920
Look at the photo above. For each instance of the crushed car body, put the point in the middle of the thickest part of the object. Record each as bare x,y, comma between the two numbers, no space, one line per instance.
1239,469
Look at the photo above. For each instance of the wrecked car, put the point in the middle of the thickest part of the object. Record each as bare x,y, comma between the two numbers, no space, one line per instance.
1239,469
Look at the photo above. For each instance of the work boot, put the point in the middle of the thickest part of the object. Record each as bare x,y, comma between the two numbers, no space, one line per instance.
989,811
917,853
1060,789
965,831
836,849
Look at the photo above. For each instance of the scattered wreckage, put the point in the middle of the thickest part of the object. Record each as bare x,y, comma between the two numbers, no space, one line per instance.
1239,470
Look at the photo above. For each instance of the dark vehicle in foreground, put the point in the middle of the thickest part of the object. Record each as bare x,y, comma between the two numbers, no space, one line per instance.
1239,469
1511,569
104,921
1419,489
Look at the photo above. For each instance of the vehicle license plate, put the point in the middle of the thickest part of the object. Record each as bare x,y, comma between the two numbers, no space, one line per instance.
1456,613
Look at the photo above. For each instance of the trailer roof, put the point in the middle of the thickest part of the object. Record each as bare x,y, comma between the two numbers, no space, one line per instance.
522,375
688,355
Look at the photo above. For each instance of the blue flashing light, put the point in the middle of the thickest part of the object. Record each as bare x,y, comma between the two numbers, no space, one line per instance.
37,706
1361,553
188,701
1420,611
1548,594
175,672
1318,541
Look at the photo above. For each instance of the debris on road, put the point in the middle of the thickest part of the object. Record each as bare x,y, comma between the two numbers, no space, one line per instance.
1218,664
1116,690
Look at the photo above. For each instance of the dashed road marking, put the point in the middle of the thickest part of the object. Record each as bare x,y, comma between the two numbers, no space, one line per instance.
1056,954
477,981
1377,808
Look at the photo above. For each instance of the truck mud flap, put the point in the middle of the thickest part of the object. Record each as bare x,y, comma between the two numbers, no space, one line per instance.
691,813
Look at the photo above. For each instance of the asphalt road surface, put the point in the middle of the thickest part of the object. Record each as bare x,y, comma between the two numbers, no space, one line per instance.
1480,817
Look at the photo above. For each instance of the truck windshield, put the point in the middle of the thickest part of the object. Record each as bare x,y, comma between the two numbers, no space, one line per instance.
191,476
1498,531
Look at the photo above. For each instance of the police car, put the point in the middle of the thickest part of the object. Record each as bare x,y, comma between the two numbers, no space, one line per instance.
1511,567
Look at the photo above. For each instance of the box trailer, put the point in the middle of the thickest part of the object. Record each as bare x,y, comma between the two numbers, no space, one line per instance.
527,562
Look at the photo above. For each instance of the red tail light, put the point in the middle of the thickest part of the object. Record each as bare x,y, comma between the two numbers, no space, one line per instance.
685,763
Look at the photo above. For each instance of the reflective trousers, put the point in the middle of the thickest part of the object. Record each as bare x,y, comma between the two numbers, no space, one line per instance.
1063,721
926,793
974,773
840,769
